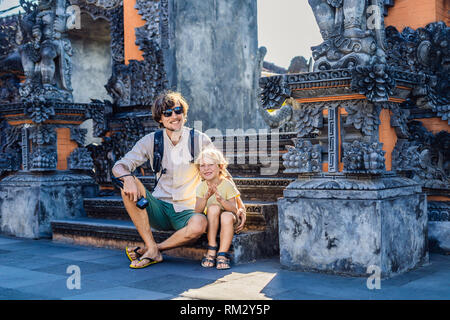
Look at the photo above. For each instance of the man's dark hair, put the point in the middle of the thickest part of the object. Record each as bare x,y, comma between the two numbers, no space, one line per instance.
168,100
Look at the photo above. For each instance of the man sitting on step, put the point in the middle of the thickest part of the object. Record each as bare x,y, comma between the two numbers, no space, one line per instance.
171,206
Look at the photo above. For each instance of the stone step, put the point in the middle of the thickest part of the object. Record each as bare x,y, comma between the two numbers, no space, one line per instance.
262,188
253,188
247,246
112,208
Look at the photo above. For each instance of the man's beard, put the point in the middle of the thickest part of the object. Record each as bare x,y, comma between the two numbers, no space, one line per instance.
175,130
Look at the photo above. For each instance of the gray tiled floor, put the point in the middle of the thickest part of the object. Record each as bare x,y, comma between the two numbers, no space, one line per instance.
37,270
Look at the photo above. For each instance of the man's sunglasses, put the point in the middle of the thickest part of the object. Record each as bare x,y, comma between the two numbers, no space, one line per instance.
168,113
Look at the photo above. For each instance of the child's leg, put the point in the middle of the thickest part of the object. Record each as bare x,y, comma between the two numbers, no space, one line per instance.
227,220
213,214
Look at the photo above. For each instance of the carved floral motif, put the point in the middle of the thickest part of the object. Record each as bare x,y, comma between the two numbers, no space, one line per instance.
303,158
363,157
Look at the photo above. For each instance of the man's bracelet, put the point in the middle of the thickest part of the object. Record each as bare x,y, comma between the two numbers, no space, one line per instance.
126,175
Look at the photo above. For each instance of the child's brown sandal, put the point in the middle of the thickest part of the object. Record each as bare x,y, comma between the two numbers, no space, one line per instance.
224,260
209,258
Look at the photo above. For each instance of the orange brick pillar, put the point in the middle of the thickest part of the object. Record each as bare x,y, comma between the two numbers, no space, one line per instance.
65,146
131,20
417,13
387,136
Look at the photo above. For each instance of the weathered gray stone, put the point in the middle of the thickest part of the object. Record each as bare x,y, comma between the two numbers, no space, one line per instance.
335,231
439,236
253,245
91,59
213,61
29,202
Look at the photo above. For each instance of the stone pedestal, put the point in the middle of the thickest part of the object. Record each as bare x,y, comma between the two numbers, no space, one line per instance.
29,202
343,226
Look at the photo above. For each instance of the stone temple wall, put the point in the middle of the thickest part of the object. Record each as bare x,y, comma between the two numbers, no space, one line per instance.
213,61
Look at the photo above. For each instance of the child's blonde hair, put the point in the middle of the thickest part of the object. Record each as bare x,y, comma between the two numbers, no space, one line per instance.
217,157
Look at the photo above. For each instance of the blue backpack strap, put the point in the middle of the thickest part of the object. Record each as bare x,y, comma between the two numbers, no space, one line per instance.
194,145
158,150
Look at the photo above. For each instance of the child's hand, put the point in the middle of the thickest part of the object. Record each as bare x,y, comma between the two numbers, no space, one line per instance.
219,198
211,190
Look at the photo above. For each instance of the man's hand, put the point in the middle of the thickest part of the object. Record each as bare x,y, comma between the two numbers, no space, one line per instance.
130,188
242,216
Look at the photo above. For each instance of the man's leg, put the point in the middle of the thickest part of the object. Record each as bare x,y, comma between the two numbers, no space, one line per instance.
140,220
194,229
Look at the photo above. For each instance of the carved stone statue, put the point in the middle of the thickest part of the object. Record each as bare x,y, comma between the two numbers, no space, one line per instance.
45,52
348,38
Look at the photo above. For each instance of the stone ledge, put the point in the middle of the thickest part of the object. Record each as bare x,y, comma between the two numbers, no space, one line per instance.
119,234
326,188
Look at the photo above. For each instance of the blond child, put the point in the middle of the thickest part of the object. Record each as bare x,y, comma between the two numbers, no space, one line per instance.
216,196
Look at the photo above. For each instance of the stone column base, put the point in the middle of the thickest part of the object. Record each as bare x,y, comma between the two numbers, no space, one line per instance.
29,202
343,226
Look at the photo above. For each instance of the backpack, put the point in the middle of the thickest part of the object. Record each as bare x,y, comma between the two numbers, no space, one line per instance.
158,150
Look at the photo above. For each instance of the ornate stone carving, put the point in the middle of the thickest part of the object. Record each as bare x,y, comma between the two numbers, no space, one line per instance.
114,147
376,81
103,157
150,12
363,115
25,148
42,134
430,175
308,118
433,170
44,159
348,41
117,36
405,156
319,78
439,211
278,118
8,30
274,91
39,109
351,183
78,135
98,112
46,52
9,92
333,139
10,150
139,82
363,157
119,85
399,119
418,50
303,158
106,4
80,159
424,51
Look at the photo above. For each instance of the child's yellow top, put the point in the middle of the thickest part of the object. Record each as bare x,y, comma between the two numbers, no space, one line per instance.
226,189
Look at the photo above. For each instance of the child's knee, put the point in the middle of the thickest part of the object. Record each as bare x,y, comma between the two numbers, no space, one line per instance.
213,210
227,218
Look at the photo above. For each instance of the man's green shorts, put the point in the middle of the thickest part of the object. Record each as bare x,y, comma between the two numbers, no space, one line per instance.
162,215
